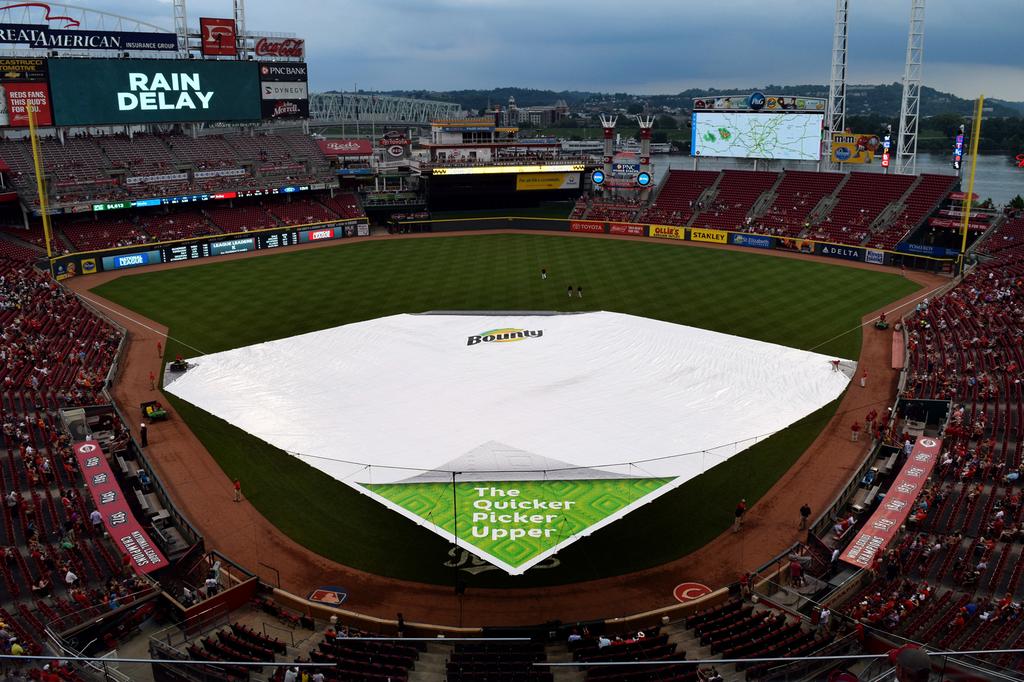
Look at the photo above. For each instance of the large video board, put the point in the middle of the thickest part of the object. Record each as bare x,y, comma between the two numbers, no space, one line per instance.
795,137
100,91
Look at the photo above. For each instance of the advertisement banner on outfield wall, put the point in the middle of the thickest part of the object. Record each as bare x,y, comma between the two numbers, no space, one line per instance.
586,226
668,232
874,256
628,228
887,520
751,241
925,250
99,91
698,234
122,526
840,251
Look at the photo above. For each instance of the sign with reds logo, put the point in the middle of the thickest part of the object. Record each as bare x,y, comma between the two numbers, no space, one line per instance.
218,37
281,47
689,591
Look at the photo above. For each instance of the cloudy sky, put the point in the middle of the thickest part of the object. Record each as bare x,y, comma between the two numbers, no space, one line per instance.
660,46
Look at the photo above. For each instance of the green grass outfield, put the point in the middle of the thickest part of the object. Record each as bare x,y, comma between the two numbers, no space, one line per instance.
219,306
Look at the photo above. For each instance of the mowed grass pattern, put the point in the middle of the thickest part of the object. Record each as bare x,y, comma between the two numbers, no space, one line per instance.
219,306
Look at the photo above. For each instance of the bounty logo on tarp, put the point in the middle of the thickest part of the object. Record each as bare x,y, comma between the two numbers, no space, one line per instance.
516,524
504,336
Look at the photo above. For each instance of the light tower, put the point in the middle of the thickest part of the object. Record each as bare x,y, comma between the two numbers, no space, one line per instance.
239,7
836,114
608,123
910,106
646,122
181,27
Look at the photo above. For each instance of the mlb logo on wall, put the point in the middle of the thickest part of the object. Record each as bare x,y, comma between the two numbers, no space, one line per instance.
218,37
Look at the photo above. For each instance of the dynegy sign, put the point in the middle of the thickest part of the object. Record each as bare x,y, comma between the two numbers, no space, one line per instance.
98,91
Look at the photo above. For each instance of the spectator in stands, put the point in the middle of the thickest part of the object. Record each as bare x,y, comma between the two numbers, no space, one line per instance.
603,641
70,579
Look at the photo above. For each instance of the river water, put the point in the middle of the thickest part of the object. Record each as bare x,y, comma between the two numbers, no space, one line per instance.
997,175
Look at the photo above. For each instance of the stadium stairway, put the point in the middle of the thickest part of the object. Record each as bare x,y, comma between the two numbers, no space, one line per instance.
766,200
706,198
890,213
430,666
825,206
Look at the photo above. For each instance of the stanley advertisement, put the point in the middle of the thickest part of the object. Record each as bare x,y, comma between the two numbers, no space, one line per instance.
98,91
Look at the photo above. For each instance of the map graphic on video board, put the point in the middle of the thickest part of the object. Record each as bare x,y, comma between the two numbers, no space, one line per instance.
757,135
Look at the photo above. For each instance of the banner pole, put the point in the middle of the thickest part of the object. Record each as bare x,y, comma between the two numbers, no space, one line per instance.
40,182
975,134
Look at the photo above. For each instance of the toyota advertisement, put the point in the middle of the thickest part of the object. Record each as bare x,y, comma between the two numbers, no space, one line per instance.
284,92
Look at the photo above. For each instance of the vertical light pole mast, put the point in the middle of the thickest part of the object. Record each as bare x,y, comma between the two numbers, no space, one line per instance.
240,28
836,110
181,27
910,107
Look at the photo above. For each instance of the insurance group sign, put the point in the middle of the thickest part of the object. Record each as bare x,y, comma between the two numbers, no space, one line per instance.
99,91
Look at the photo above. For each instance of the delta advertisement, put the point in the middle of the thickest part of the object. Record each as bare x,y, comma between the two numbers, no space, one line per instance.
887,520
284,91
712,236
839,251
547,181
854,148
668,232
101,91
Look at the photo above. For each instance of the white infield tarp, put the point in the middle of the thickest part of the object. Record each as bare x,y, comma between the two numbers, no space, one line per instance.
592,395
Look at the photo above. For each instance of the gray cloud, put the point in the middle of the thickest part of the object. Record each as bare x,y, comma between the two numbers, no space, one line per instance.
657,46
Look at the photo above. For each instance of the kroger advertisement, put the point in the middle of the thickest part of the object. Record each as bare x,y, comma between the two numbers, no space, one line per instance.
99,91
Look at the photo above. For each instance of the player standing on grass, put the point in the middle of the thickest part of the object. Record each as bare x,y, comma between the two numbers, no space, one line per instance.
543,273
570,291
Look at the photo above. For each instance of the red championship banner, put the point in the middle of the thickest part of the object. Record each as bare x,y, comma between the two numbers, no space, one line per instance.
628,228
586,226
883,525
124,529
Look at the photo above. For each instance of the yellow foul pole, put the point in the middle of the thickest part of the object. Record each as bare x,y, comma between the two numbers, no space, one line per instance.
37,160
975,134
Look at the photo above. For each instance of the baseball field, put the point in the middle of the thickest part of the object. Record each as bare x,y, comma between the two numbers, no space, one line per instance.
796,302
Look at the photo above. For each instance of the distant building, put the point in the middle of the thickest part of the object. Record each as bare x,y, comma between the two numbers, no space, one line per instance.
540,117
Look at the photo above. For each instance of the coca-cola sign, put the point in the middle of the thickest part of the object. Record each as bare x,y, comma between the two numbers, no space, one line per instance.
281,47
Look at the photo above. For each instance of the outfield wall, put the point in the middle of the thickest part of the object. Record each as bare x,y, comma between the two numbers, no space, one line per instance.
914,256
918,257
105,260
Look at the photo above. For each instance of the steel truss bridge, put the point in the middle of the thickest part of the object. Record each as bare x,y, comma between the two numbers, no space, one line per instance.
337,107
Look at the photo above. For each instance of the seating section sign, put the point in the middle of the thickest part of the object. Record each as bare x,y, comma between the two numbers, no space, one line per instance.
883,525
118,518
513,523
